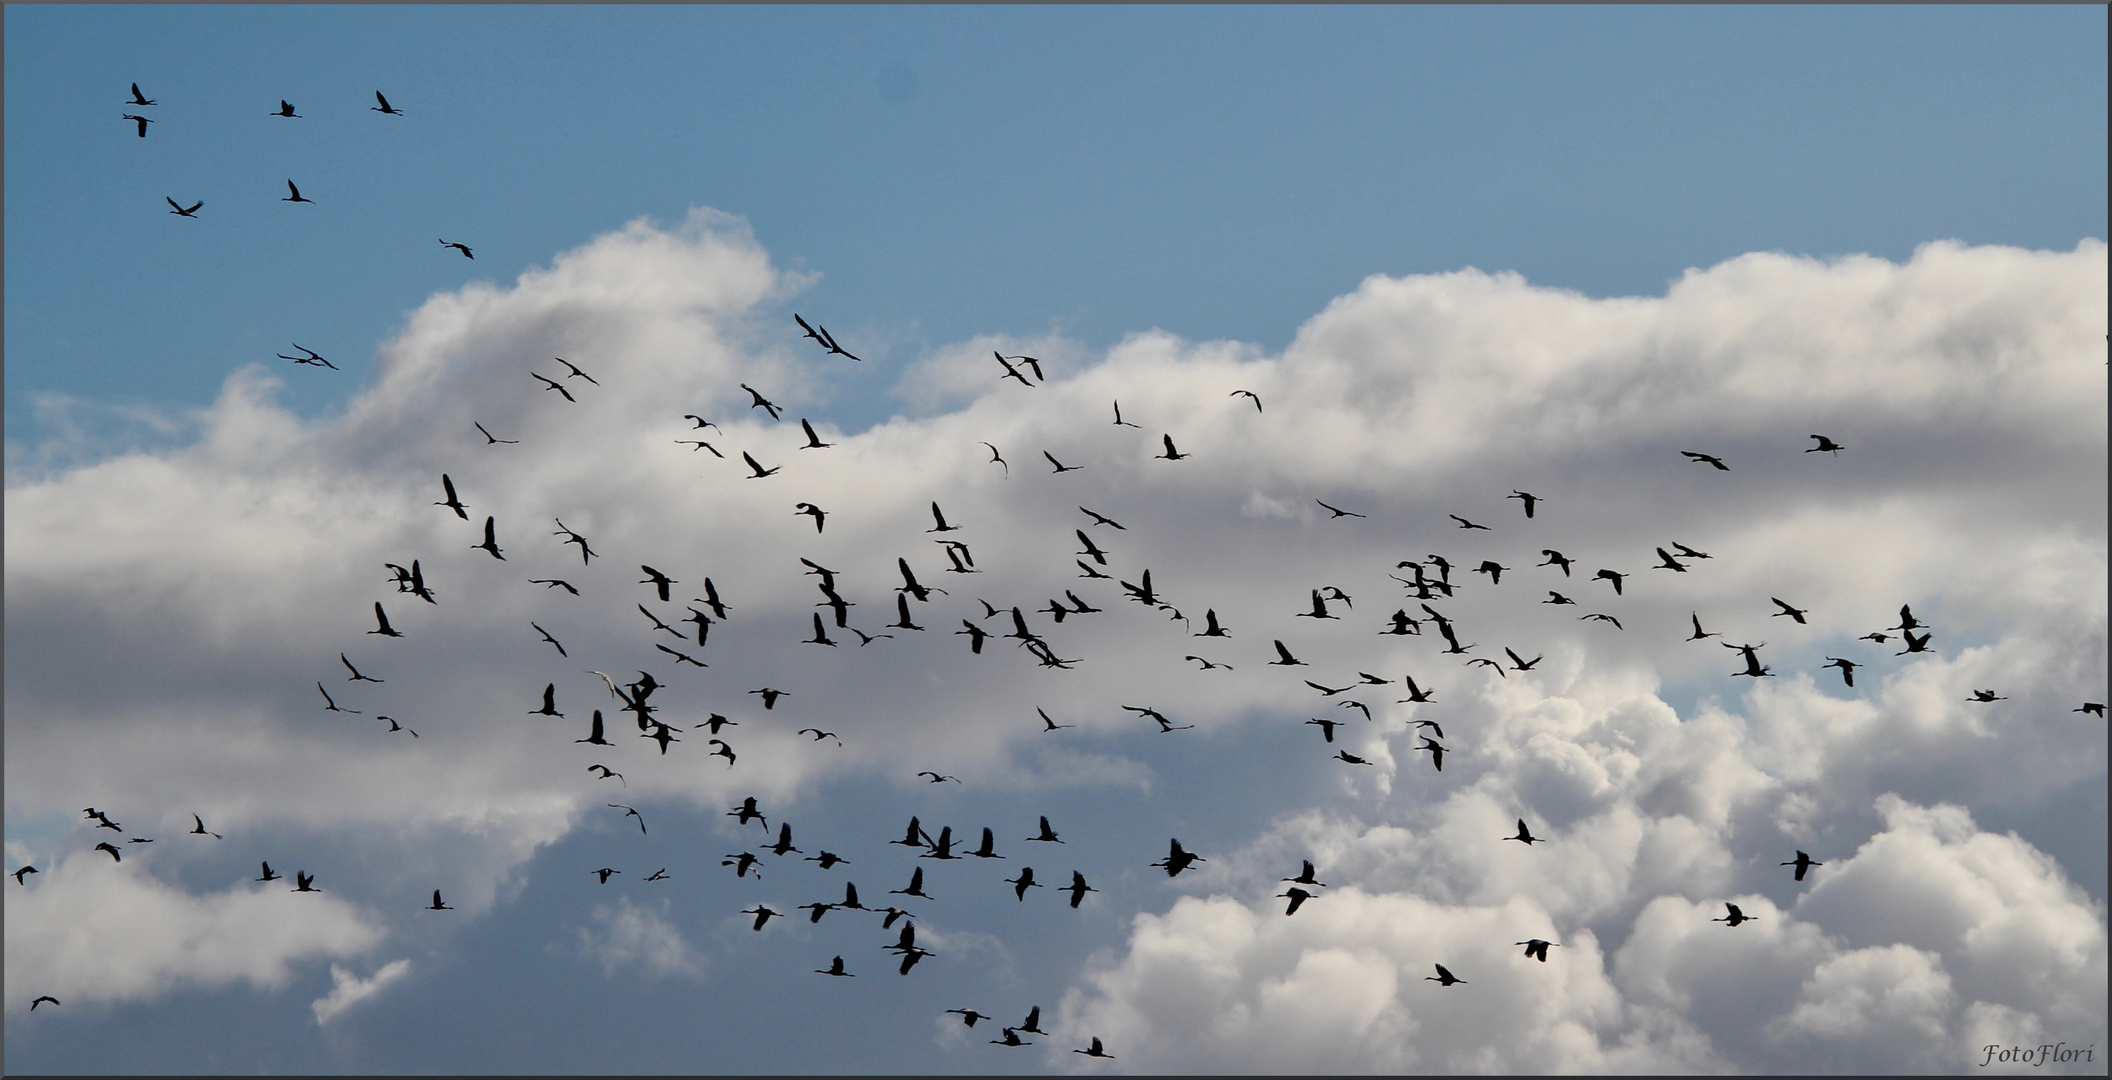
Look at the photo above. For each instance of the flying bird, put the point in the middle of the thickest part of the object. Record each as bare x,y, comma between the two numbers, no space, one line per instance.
1525,835
595,736
998,459
313,359
1556,558
1536,949
106,846
1060,466
1847,668
1444,978
1256,399
1794,613
760,401
493,440
549,703
827,340
286,109
1465,524
758,471
1613,576
137,99
835,968
142,122
384,107
356,676
183,211
1706,458
1803,863
1298,896
1023,882
436,905
1735,916
382,617
199,829
1826,446
41,999
554,583
1119,422
303,881
463,248
1171,454
1337,512
1984,696
1527,497
1177,859
1285,659
491,539
553,384
1095,1050
813,440
296,194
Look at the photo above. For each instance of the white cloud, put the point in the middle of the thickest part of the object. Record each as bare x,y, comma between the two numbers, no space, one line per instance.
630,937
348,989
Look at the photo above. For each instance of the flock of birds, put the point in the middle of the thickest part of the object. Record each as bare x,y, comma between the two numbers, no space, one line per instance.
1426,582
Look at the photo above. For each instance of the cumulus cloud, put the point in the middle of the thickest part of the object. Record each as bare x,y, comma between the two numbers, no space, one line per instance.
230,572
347,989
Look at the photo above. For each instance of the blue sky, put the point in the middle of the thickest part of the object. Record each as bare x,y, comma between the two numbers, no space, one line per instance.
1457,252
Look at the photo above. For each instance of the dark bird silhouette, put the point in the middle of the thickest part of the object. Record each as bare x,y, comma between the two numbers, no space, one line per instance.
1298,896
711,600
630,811
1444,978
595,734
756,467
703,623
296,194
1602,618
1668,563
1847,668
1554,597
747,812
268,875
820,734
1171,454
1416,694
661,734
1492,568
760,401
998,459
199,829
356,676
939,516
656,579
1319,609
657,624
1095,1050
436,905
1699,634
1119,422
1091,549
1794,613
902,621
1803,863
1525,835
940,778
395,727
783,847
1914,644
1402,625
914,837
1556,558
1011,1038
1613,576
554,583
286,109
699,444
828,859
139,98
762,914
112,849
835,968
819,908
41,999
1465,524
1048,724
1256,399
1735,916
2092,708
1907,621
813,441
549,702
988,850
572,370
490,439
303,881
1165,725
384,106
1177,859
1751,653
1354,704
723,751
742,864
452,502
909,580
1518,664
1023,882
1060,466
910,958
1330,691
1284,658
1212,629
1351,758
143,122
1707,458
1526,497
770,696
822,335
552,384
1826,446
1207,665
330,705
1984,696
463,248
1686,552
312,359
1337,511
702,423
491,540
1101,519
1536,949
1437,753
1078,888
553,641
915,888
183,211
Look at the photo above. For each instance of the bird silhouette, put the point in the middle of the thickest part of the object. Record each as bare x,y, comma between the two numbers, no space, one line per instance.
1465,524
304,881
813,441
756,467
312,359
998,459
142,122
1078,888
760,402
915,887
1297,896
1525,835
1337,511
1803,863
286,109
1708,459
1527,498
491,540
762,914
1048,724
1416,694
112,849
553,641
436,905
630,811
139,98
295,195
1095,1050
1826,446
1061,468
1011,1038
607,772
1171,454
835,968
1023,882
1984,696
41,999
1794,613
1847,668
1119,422
1914,644
822,335
463,248
268,875
1178,859
384,106
199,828
1284,657
1444,978
1735,916
595,734
1256,399
493,440
183,211
1437,756
1536,949
330,705
2092,708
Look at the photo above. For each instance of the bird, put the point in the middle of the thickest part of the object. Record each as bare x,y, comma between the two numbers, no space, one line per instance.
1119,422
1048,835
1527,497
554,583
1699,634
1298,896
1207,665
813,441
111,849
1060,466
295,195
491,540
1337,512
1078,888
268,875
1794,613
41,999
1023,882
1554,597
762,914
1735,916
656,579
490,439
1465,524
1613,576
22,872
915,887
142,122
1914,644
711,599
286,109
1256,399
1330,691
998,459
2092,708
549,702
1011,1038
384,107
1416,694
939,778
1706,458
303,881
1319,609
939,516
139,98
436,905
607,772
356,676
989,848
1437,756
820,734
1350,758
1091,549
1556,558
747,812
835,968
1537,949
1907,621
1049,725
1285,659
394,726
594,735
742,864
1444,978
1518,664
1984,696
553,641
827,340
463,248
199,828
1102,519
1525,835
910,958
1178,859
1171,454
1686,552
699,444
1847,668
1668,563
1826,446
783,847
330,705
828,859
1803,863
183,211
759,472
760,401
1095,1050
1751,653
630,811
452,502
313,359
1602,618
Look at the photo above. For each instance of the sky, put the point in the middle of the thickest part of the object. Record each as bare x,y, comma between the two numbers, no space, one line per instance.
1453,255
